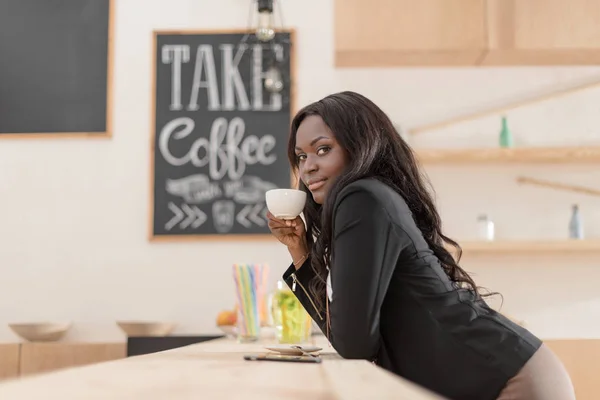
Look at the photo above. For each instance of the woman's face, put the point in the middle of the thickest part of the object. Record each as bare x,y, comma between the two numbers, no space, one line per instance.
320,158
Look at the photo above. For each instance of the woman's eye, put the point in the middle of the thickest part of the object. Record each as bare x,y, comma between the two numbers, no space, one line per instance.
323,150
300,157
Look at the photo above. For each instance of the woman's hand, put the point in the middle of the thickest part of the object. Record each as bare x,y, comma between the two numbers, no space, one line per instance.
292,233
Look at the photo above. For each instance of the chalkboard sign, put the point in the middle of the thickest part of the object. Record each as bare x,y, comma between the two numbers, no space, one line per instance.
220,138
56,68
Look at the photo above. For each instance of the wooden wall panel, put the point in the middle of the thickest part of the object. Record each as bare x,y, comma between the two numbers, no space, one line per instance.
543,32
582,359
397,33
45,357
407,32
9,360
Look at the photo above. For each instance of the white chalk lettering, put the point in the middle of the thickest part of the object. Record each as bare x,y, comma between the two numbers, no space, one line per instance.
258,76
205,61
231,187
231,94
167,131
175,54
225,151
232,80
267,143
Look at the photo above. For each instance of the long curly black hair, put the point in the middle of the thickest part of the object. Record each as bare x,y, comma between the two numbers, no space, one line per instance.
374,149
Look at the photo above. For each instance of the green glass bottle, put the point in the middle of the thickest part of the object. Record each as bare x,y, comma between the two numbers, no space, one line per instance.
506,139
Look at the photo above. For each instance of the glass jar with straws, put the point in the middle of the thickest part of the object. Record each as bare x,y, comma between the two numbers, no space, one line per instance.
249,287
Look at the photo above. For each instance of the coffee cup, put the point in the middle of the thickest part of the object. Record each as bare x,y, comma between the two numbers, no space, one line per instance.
285,203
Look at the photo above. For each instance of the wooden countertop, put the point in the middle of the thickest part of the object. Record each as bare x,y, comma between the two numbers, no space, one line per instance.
215,370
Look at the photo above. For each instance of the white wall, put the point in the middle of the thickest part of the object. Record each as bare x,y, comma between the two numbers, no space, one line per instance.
74,240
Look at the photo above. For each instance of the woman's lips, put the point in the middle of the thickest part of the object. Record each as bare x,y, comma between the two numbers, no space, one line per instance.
316,185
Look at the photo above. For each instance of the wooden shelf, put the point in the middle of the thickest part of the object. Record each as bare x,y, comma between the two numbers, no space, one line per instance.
530,155
530,246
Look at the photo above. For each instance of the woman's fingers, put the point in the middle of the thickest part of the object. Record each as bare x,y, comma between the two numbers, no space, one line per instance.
276,224
294,226
283,231
272,217
281,222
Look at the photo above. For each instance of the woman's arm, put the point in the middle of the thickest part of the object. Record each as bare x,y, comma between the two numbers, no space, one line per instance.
298,280
365,248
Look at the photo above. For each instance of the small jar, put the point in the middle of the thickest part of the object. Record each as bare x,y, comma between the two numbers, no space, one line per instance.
485,227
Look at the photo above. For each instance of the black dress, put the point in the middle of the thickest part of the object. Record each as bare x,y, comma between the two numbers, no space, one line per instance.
393,304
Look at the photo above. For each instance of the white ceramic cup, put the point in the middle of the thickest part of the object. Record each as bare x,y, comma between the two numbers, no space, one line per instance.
285,203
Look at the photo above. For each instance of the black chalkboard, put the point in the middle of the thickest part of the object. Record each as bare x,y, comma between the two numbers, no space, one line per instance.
220,138
54,72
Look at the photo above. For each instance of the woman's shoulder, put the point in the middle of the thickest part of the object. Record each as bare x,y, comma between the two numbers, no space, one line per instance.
375,189
375,200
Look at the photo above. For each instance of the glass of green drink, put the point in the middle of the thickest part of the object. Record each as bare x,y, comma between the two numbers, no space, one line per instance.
292,322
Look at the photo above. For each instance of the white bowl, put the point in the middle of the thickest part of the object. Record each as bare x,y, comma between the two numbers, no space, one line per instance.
142,328
229,330
40,331
285,203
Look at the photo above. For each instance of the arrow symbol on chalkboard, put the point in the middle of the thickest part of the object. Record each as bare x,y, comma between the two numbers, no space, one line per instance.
264,213
254,217
176,218
249,214
243,215
195,217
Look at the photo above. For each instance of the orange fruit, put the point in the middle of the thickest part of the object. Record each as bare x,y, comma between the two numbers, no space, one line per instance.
226,317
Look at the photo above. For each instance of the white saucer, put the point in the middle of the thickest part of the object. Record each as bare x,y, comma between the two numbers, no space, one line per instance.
289,350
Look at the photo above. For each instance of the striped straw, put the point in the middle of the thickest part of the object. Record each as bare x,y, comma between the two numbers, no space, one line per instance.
238,292
248,295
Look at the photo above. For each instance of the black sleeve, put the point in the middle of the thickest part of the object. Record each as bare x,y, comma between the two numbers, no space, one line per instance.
366,248
298,281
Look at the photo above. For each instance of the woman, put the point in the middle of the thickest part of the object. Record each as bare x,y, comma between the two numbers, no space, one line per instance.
397,296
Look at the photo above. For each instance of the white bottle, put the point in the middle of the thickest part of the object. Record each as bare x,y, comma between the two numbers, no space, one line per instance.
575,224
485,227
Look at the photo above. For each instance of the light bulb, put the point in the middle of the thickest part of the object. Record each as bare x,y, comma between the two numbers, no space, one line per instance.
265,31
273,81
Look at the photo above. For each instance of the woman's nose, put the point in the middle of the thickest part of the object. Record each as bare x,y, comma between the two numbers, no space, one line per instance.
310,165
